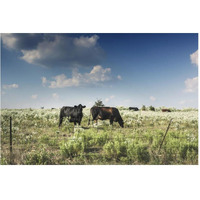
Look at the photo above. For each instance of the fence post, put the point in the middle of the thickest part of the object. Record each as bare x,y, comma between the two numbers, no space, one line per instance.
165,135
10,140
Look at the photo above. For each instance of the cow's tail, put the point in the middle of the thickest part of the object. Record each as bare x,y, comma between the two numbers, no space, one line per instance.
61,117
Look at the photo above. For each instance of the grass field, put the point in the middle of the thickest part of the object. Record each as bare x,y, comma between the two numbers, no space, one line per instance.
38,140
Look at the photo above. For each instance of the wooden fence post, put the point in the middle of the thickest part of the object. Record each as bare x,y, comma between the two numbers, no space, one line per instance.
165,135
10,140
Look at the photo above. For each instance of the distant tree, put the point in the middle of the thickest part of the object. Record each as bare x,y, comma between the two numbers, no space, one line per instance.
143,107
151,108
98,103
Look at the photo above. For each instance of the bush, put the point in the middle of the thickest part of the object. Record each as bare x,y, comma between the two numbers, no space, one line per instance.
99,103
187,149
39,158
151,108
72,148
138,153
143,108
115,149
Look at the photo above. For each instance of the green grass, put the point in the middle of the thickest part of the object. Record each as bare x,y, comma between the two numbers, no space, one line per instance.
37,140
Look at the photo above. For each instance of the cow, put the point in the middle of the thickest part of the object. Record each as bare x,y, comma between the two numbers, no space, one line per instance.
166,110
104,113
74,114
133,108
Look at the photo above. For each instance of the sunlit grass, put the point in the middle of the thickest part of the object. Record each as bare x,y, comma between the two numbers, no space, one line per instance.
38,140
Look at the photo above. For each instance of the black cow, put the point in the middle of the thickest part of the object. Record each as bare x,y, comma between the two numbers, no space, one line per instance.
133,108
74,114
104,113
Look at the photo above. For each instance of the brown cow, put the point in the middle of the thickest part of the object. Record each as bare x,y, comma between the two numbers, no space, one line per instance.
104,113
166,110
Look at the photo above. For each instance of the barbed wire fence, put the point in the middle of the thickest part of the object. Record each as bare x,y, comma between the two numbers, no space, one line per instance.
12,144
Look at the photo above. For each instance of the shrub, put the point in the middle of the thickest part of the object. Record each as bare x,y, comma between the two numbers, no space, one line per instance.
115,149
72,148
143,108
99,103
39,158
187,149
138,153
151,108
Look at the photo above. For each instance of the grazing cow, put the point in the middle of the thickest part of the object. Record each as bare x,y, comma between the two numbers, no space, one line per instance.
52,108
74,114
166,110
133,108
104,113
42,107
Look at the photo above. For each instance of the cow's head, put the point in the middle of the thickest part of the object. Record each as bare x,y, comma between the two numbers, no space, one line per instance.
121,123
80,107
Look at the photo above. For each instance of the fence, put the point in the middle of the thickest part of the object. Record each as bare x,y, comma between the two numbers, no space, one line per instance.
12,144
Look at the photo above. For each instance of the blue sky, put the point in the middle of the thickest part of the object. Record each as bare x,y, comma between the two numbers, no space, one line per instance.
53,70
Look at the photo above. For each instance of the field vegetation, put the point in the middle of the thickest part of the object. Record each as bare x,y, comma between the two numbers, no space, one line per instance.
37,140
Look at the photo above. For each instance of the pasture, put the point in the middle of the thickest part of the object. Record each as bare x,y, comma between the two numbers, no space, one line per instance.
37,140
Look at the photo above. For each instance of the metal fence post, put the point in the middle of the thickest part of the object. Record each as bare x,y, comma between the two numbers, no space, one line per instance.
165,135
10,140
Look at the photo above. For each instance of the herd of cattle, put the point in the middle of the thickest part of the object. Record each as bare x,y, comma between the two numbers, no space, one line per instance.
75,114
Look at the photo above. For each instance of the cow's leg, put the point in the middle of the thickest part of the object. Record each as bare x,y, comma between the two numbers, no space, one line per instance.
60,121
111,121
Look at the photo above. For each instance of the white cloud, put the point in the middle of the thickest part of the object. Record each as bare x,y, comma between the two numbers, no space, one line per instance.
10,86
96,75
191,84
65,51
20,41
109,98
86,41
9,40
34,96
44,81
194,58
119,77
55,95
152,98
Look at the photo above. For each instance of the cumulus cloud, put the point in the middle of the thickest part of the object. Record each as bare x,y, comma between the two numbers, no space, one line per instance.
119,77
55,95
19,41
194,58
44,81
152,98
109,98
191,84
86,42
34,96
53,50
10,86
98,74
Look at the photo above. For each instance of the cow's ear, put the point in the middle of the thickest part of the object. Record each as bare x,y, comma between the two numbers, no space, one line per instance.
84,106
